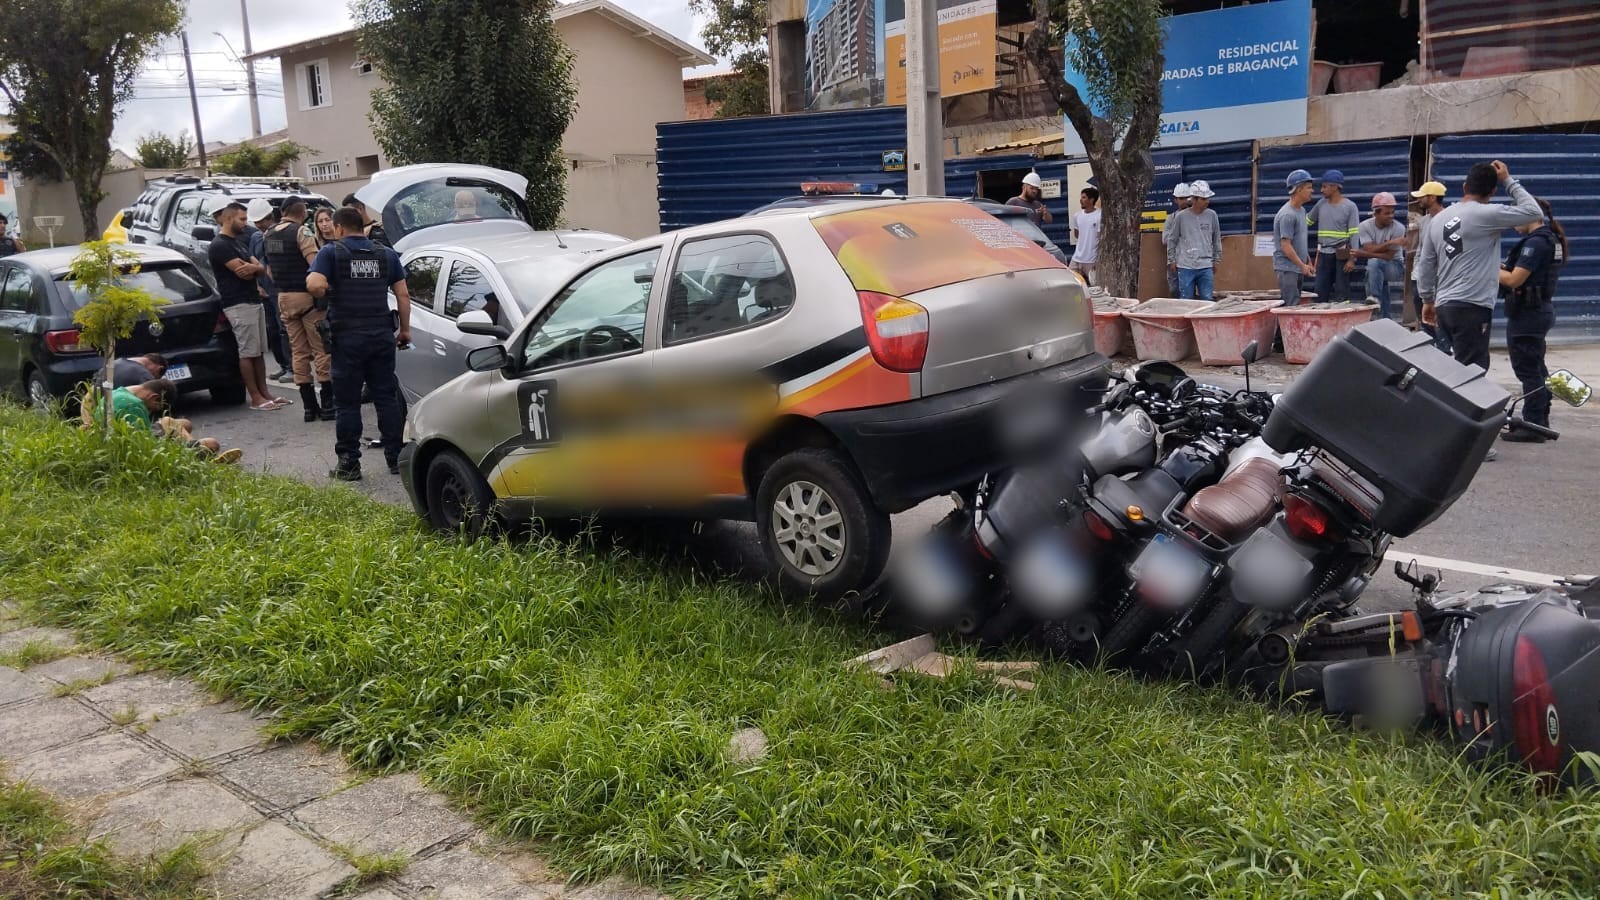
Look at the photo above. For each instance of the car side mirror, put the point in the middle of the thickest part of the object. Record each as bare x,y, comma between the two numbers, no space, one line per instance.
489,359
204,233
476,321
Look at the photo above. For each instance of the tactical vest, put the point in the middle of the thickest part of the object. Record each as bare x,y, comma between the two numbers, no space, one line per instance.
360,285
8,246
1540,288
289,267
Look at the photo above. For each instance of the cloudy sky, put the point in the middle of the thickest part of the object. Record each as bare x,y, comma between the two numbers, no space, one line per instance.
162,99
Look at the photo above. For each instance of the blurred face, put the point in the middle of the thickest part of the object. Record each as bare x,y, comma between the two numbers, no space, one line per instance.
1087,202
1383,215
466,205
4,225
231,221
325,223
1331,191
1199,204
1029,192
1301,194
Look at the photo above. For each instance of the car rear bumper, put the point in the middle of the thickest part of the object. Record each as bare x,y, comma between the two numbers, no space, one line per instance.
911,451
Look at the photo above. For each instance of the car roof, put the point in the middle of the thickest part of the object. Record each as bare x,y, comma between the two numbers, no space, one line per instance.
834,201
511,249
56,260
827,205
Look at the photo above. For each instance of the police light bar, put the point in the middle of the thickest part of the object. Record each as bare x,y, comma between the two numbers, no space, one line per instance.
818,188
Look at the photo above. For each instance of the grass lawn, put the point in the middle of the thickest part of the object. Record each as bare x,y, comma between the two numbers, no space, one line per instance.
582,696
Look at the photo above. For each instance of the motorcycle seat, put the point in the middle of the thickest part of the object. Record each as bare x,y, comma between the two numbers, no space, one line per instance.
1240,503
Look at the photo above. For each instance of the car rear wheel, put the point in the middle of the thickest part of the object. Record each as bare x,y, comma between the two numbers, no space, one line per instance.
459,500
228,394
39,396
821,532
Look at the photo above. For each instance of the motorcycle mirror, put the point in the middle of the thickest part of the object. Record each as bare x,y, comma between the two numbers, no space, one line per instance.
1251,352
1569,388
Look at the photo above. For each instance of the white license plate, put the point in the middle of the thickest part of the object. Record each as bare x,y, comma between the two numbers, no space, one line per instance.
1169,572
177,372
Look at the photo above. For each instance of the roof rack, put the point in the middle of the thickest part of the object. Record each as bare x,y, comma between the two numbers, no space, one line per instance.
278,181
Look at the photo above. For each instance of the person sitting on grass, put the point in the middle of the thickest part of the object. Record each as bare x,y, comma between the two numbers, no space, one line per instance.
138,405
137,370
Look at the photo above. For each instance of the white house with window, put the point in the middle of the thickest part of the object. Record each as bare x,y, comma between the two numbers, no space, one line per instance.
629,76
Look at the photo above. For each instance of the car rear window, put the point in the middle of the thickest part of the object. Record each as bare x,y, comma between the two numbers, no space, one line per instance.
911,247
172,282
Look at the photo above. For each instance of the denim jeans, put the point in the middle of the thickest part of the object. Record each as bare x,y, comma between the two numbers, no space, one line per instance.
1381,273
365,356
277,341
1195,284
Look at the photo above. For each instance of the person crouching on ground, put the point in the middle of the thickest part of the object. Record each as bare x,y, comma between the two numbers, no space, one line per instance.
1382,243
141,404
138,369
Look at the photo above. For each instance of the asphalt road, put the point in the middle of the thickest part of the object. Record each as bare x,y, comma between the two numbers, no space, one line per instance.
1532,510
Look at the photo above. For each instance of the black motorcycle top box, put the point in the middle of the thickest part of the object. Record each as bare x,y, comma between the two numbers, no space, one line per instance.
1410,419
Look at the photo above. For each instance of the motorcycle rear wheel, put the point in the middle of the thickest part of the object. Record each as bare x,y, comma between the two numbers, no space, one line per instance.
1130,633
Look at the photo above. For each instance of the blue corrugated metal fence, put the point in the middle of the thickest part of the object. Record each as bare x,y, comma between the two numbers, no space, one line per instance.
1564,169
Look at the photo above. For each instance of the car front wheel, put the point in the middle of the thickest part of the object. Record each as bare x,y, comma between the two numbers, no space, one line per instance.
820,530
459,500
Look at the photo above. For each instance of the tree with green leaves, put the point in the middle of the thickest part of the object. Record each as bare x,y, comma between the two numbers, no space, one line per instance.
475,81
737,30
100,270
65,68
158,150
252,161
1117,44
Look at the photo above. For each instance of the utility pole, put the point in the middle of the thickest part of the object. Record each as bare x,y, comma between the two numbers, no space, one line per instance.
250,74
194,102
924,115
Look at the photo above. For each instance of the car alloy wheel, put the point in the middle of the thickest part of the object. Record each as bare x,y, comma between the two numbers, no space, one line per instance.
38,392
809,529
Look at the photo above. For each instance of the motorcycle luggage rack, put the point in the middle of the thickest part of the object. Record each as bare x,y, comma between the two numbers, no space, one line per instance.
1346,484
1175,523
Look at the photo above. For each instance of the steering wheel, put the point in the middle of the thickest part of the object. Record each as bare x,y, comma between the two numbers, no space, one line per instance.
603,340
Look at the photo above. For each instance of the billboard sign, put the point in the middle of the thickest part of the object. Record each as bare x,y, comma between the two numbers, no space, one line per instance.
966,48
1229,75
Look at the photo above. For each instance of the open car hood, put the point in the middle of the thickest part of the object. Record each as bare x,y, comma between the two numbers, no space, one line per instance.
415,204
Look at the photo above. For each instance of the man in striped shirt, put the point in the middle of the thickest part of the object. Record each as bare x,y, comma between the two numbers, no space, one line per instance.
1336,222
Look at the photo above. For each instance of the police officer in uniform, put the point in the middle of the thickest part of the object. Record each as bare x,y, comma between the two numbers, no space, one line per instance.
1528,285
355,276
290,252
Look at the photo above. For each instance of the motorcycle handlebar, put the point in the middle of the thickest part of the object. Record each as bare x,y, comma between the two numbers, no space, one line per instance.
1525,425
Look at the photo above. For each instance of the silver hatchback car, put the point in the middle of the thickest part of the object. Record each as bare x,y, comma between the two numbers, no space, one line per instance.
813,370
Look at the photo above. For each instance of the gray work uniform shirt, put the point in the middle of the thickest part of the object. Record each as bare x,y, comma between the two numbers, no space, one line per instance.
1290,223
1458,260
1195,241
1371,235
1336,223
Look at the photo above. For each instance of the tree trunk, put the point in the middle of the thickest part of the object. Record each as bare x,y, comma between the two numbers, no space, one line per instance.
105,390
89,197
1121,210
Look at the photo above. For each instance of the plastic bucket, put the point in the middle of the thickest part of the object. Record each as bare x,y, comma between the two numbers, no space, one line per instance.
1224,330
1111,333
1307,329
1161,329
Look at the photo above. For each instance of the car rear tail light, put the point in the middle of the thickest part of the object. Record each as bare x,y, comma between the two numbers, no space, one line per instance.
1535,724
897,331
67,341
222,326
1307,520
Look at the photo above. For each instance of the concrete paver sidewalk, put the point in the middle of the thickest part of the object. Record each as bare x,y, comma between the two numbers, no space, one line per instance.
149,762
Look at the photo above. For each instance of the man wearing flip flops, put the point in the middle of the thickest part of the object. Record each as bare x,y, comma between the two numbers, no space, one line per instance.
236,271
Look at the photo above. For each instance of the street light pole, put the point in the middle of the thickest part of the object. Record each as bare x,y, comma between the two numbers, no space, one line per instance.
250,74
194,101
924,115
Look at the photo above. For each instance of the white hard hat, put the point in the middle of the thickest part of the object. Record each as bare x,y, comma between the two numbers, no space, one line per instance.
1181,191
1032,179
888,192
1202,190
259,208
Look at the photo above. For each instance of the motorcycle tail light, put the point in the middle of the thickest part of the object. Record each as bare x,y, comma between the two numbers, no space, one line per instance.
1535,724
1307,520
897,331
1098,527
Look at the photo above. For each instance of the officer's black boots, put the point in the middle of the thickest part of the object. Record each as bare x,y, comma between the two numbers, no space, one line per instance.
308,399
327,402
346,470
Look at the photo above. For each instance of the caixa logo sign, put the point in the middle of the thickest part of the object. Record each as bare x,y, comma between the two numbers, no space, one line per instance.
1180,127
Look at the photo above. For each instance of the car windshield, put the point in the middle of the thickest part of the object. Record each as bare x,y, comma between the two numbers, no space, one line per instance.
1025,227
172,282
446,200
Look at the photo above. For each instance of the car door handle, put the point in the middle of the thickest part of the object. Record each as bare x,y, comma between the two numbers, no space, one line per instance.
439,347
